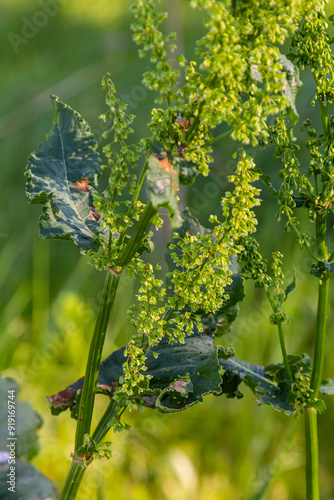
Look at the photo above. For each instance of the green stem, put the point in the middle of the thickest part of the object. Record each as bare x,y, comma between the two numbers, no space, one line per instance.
324,118
193,127
281,336
104,424
77,470
319,350
323,294
283,349
134,200
311,431
94,358
312,454
73,481
138,188
299,234
136,239
219,137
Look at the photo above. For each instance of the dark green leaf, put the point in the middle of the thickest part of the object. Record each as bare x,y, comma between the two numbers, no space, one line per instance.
327,387
181,375
163,184
230,384
58,174
261,384
30,484
27,421
184,373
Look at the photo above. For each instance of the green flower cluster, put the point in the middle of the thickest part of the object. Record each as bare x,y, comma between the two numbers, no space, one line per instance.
241,79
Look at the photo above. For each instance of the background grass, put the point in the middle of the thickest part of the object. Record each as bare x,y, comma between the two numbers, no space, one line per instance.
222,449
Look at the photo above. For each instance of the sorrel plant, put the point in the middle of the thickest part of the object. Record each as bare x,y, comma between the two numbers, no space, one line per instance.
241,79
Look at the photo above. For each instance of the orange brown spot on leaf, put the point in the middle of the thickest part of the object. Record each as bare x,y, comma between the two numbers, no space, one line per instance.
83,184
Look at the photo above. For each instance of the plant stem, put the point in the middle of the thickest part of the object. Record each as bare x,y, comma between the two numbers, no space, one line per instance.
136,239
138,188
319,350
281,337
104,424
73,481
283,349
94,359
77,470
219,137
323,294
312,454
134,199
311,431
86,408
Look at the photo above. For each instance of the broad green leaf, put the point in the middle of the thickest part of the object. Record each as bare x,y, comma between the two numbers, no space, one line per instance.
327,387
181,375
30,483
60,176
163,184
266,390
185,373
27,421
220,321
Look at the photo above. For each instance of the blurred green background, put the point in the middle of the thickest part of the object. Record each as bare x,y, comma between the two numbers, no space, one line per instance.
222,449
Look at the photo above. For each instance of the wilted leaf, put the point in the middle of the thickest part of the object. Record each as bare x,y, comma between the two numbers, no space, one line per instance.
163,184
261,383
58,174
